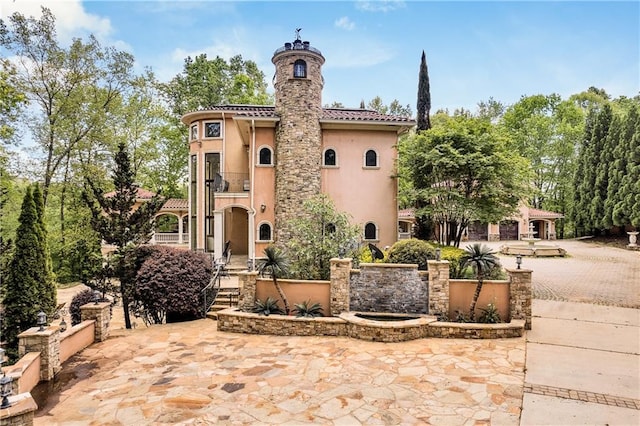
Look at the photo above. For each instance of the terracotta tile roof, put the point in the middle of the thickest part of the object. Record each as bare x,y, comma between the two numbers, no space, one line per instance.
143,194
176,204
332,114
543,214
406,214
362,115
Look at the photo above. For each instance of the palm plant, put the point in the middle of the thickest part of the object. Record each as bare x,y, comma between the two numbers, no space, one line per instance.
275,263
482,259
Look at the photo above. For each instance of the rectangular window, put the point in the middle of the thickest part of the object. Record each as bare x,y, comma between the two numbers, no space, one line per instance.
193,171
211,181
194,132
213,129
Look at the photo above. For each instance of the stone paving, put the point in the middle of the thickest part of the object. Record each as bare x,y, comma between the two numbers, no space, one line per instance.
595,274
190,373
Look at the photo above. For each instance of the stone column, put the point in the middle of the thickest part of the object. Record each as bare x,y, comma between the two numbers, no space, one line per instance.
438,287
520,295
340,282
247,288
101,313
46,342
21,411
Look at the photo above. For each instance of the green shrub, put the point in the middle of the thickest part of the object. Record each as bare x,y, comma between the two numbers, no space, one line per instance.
267,307
411,251
453,255
490,315
364,255
308,310
169,286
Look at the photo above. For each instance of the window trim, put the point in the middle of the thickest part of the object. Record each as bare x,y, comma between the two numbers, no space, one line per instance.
193,132
259,150
204,125
304,68
364,159
376,230
324,153
264,222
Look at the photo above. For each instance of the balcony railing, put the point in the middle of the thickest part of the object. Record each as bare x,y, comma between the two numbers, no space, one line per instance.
169,238
231,182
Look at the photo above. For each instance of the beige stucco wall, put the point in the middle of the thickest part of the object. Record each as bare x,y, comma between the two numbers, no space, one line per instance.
367,194
296,292
461,294
76,339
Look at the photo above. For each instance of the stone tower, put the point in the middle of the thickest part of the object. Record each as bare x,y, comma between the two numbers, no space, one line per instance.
298,93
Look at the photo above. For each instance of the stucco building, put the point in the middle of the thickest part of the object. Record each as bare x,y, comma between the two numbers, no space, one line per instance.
252,167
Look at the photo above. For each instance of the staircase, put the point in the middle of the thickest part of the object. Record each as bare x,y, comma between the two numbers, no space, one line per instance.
227,296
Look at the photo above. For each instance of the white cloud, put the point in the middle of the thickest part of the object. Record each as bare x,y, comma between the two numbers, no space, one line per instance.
380,5
71,18
345,23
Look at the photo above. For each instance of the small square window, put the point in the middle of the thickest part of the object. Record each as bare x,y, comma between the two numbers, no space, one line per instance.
212,129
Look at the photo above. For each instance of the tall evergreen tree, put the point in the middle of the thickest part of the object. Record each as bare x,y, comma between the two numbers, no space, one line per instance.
581,192
118,223
424,96
22,300
627,211
597,173
47,287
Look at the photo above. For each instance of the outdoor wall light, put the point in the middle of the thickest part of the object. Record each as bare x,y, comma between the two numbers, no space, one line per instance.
438,253
63,326
518,261
5,384
263,207
96,297
42,320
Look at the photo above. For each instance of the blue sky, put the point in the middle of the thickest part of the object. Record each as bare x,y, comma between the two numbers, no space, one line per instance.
475,50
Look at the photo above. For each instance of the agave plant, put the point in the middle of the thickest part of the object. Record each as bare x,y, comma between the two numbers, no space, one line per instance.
267,307
308,310
482,259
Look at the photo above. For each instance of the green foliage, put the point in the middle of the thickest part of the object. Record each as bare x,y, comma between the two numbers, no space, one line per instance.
424,96
481,259
275,263
27,283
318,234
364,256
12,101
169,286
47,290
490,315
267,307
80,299
454,256
462,317
394,108
114,218
411,251
308,310
462,169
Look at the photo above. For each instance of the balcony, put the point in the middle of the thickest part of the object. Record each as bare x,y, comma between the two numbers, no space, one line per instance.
231,182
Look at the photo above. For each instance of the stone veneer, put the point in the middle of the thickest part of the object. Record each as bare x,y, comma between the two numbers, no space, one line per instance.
298,150
247,290
101,314
47,342
21,411
520,295
339,292
438,287
387,287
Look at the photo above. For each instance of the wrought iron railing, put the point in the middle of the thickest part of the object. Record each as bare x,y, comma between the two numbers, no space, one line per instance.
210,292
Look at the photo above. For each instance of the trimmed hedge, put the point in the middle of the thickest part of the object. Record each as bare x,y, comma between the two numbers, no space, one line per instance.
411,251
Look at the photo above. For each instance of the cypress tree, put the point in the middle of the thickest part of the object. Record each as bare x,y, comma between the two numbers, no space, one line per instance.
115,219
597,172
47,287
629,207
581,189
617,143
424,96
21,299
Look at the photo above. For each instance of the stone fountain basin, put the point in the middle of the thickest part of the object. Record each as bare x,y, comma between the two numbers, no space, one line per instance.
537,250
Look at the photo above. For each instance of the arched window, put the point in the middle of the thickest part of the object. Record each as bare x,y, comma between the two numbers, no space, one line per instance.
371,158
300,69
265,156
329,158
264,232
370,231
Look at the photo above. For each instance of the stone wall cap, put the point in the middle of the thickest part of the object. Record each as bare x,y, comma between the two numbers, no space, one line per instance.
389,265
20,404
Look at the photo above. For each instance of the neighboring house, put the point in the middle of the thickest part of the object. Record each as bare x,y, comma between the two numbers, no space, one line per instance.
252,167
512,228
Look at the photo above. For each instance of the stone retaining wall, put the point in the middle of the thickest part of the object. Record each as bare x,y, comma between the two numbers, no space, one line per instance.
387,287
234,321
